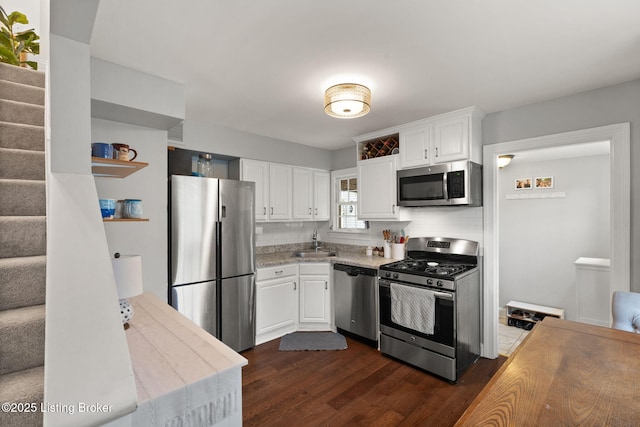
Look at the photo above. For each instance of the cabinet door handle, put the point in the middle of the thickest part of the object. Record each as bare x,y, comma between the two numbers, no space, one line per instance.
264,210
316,211
393,209
309,211
426,153
436,151
271,210
295,286
278,272
326,285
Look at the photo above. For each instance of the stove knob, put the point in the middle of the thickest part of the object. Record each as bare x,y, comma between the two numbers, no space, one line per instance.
429,281
440,284
396,275
387,274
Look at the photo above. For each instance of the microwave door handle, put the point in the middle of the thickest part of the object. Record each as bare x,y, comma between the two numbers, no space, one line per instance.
445,186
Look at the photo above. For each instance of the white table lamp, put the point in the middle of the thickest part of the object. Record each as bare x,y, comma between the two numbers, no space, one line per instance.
127,270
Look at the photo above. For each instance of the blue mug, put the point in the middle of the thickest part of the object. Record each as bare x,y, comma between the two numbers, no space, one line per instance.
102,149
107,207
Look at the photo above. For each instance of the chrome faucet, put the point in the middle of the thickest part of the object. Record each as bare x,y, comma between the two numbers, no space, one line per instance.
316,244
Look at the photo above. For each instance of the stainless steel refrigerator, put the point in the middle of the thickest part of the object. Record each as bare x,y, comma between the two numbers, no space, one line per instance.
212,256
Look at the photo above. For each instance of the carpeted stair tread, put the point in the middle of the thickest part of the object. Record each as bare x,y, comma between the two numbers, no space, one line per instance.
22,332
21,136
21,75
21,112
21,164
22,197
22,93
22,236
22,281
22,386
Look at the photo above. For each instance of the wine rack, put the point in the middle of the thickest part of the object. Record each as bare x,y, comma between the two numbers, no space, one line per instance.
384,146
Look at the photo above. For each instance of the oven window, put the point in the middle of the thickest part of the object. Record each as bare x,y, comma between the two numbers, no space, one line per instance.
423,187
443,329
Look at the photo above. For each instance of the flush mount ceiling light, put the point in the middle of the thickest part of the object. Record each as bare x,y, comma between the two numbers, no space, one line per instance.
504,160
347,100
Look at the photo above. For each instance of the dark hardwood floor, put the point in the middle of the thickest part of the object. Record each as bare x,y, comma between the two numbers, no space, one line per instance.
357,386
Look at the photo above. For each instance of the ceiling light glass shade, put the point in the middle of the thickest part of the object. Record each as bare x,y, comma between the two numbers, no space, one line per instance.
504,160
347,100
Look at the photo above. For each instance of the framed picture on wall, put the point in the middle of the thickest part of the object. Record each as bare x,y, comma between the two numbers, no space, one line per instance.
544,182
523,184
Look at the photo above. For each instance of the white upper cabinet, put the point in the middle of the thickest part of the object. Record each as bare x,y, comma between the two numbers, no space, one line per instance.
451,139
302,193
273,188
377,189
416,146
258,172
321,195
285,192
280,181
311,194
444,138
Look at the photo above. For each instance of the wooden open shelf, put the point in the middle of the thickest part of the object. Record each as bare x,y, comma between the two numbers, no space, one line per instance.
125,219
109,168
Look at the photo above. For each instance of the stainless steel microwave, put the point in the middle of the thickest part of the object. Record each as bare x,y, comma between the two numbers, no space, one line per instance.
446,184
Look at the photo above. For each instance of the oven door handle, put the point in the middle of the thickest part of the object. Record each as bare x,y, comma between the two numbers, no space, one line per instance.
443,295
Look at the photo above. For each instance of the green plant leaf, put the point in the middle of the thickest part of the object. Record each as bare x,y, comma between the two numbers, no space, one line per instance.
13,44
16,17
7,56
23,35
5,40
3,17
32,64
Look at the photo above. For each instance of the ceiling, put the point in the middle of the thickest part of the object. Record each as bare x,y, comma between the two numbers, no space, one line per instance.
262,66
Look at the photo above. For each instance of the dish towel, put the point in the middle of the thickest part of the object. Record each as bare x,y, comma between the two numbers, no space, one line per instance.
413,307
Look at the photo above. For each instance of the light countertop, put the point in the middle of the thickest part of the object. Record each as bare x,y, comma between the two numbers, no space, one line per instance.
181,371
349,258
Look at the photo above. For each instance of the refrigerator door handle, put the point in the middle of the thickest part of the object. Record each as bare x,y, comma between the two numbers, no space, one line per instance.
223,211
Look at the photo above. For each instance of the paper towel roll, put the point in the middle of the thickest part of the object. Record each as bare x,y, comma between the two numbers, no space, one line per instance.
128,273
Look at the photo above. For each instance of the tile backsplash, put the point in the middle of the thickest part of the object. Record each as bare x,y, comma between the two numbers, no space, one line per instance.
458,222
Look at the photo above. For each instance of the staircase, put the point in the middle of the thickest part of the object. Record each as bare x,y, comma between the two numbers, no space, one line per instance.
22,242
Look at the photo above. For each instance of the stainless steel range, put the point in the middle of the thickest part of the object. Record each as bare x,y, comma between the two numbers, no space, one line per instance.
430,306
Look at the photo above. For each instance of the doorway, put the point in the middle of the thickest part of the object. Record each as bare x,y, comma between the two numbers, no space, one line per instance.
619,139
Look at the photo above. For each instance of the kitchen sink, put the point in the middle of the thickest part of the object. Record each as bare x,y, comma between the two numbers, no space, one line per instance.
312,253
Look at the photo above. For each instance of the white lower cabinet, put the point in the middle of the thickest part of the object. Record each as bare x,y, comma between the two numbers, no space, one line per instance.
287,302
276,301
315,296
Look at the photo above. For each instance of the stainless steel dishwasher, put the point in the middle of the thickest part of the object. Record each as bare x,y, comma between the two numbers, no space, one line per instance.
356,300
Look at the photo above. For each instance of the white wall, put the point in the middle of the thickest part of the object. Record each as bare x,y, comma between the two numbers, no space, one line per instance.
70,106
344,158
217,139
457,222
31,8
599,107
540,239
148,239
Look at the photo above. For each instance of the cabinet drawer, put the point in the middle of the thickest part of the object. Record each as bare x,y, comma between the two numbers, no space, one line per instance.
276,272
322,268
